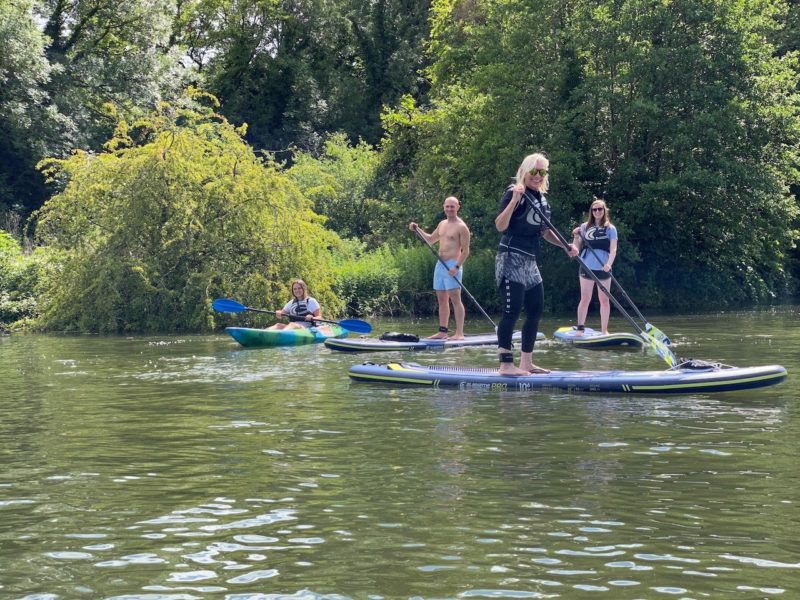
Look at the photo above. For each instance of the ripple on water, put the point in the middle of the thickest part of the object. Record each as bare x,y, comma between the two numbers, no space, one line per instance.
254,576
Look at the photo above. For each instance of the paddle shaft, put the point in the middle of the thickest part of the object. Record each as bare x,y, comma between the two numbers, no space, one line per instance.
461,285
290,317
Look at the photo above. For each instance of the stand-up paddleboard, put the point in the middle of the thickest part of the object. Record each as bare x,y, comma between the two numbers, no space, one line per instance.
261,338
692,379
591,338
365,344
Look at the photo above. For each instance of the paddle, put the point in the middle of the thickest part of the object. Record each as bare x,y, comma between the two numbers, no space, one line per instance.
647,325
657,344
461,285
232,306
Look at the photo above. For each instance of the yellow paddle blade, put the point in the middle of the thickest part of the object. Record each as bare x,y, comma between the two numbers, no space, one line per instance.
661,349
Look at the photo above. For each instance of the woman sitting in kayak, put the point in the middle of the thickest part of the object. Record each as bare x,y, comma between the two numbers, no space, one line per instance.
302,309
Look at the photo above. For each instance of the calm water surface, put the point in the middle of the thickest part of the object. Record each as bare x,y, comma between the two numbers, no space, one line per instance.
178,467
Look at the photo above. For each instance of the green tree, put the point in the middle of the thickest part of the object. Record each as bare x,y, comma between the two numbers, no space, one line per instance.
683,114
26,121
19,276
341,182
694,120
298,70
110,51
176,211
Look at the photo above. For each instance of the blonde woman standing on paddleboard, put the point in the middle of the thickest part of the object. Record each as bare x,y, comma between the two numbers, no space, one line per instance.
516,272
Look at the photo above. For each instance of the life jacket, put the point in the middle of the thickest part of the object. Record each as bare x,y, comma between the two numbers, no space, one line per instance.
597,238
299,308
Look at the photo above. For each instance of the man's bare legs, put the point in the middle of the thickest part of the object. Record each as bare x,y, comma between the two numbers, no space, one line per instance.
454,297
443,299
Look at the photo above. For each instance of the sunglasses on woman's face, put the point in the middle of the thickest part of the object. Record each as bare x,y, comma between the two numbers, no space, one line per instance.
597,209
542,172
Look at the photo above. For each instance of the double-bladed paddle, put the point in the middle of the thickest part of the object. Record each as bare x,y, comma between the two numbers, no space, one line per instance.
232,306
655,337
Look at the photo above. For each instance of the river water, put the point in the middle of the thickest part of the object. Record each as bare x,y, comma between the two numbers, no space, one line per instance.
179,467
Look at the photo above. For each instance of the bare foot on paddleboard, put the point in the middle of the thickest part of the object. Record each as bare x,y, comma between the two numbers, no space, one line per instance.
437,336
532,369
456,337
512,370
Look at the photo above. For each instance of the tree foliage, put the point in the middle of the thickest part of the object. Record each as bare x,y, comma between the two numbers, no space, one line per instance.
26,121
19,277
109,51
296,70
342,184
683,115
176,211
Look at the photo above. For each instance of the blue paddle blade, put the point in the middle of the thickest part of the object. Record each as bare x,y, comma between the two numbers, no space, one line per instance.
228,305
355,325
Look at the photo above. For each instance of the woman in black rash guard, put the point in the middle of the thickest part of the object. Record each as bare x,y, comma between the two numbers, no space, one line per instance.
516,271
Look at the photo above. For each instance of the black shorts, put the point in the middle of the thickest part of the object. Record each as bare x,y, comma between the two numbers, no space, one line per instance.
602,275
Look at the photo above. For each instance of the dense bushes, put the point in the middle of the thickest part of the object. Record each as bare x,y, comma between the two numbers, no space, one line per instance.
19,278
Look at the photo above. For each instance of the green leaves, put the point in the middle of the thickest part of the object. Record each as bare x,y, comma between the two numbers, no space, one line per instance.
682,114
179,212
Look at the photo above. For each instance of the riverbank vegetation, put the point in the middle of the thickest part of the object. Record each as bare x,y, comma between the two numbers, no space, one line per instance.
154,156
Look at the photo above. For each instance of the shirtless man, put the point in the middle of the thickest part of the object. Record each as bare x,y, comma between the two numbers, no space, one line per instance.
453,237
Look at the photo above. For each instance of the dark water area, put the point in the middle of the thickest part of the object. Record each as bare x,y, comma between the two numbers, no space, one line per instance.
176,467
